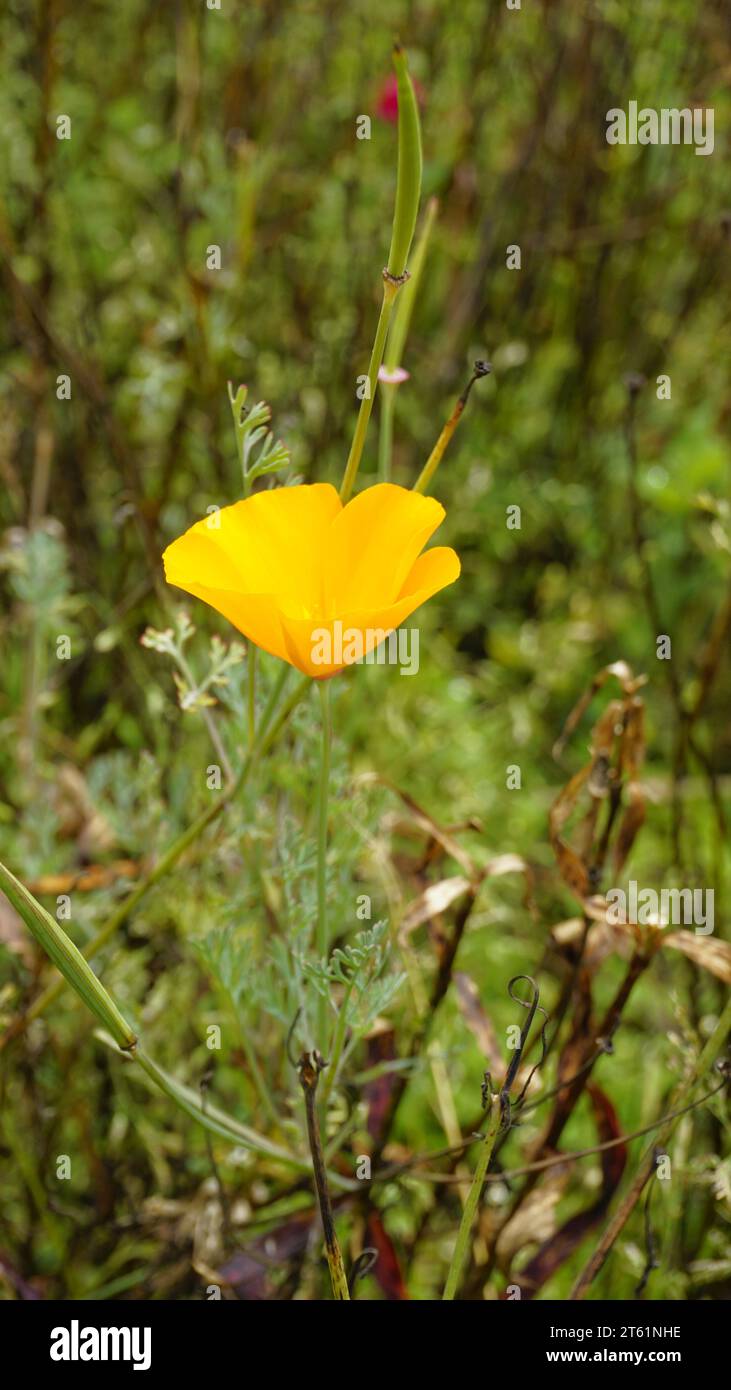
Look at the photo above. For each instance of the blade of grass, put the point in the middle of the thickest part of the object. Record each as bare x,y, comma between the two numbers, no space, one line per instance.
66,955
224,1126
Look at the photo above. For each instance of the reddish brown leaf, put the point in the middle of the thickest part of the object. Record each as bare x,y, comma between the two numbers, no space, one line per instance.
571,867
560,1246
386,1270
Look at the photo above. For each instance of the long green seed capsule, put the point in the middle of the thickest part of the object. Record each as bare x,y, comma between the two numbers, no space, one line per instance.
62,951
408,183
408,190
405,301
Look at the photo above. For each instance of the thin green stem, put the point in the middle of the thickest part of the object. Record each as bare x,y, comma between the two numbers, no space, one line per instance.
273,698
208,719
251,693
321,938
385,437
258,1077
391,288
336,1050
251,655
459,1255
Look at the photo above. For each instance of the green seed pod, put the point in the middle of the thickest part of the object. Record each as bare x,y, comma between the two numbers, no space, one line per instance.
64,954
408,184
405,301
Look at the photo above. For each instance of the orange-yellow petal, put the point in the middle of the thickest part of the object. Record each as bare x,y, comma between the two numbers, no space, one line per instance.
431,572
286,565
373,543
256,616
271,543
305,637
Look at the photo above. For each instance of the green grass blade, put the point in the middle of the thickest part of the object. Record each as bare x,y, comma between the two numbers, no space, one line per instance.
64,954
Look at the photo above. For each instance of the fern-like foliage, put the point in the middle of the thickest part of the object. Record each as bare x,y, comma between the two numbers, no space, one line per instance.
259,452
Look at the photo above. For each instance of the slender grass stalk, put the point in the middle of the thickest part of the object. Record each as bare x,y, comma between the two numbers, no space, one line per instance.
309,1067
321,937
273,698
459,1255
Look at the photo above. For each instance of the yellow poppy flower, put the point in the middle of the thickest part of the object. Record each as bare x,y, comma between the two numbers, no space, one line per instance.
291,565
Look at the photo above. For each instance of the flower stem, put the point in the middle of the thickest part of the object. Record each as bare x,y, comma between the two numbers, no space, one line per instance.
310,1065
391,287
321,938
251,693
470,1207
385,437
208,719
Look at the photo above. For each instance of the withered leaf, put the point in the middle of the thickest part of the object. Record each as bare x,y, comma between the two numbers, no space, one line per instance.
428,825
477,1020
435,899
628,683
707,951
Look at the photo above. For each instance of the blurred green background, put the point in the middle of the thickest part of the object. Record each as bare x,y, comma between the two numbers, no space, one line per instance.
237,128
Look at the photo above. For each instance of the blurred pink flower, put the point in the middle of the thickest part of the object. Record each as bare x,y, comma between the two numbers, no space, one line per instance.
392,376
387,104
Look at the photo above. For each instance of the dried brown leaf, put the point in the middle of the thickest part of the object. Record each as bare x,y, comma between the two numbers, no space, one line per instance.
478,1022
707,951
428,825
435,899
